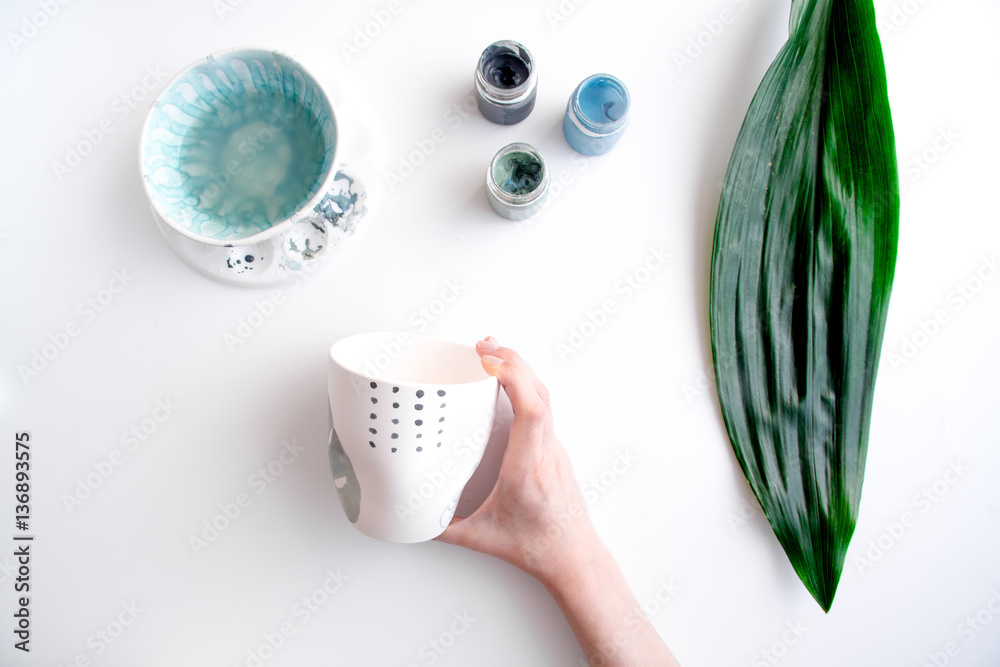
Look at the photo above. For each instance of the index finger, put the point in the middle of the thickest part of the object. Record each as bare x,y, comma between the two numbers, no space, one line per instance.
528,396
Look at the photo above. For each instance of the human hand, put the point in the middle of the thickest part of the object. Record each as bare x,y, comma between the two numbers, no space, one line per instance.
535,517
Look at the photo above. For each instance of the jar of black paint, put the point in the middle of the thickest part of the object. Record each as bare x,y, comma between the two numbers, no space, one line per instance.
506,82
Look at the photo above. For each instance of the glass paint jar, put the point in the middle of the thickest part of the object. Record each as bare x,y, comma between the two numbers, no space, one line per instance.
506,82
597,114
517,181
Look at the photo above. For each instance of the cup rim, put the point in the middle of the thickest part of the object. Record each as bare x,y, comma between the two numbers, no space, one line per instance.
394,335
279,227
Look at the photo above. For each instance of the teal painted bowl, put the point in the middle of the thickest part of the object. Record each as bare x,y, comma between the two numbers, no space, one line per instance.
239,146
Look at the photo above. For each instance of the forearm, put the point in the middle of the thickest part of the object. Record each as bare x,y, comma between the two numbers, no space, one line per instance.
536,519
603,613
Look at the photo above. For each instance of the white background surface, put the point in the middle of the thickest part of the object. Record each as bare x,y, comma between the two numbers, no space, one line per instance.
636,391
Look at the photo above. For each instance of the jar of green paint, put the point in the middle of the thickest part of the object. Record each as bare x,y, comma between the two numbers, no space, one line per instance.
517,181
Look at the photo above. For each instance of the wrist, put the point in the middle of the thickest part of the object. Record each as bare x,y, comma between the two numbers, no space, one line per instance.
571,560
603,613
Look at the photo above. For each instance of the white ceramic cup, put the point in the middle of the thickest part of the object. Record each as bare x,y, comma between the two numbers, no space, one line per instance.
410,420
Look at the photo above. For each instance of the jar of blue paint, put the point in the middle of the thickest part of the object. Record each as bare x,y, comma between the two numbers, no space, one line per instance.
597,114
506,82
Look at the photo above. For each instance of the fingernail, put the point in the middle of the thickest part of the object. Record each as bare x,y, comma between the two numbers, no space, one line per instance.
489,343
491,360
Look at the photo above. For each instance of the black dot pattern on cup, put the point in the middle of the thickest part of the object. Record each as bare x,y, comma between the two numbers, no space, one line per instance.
417,404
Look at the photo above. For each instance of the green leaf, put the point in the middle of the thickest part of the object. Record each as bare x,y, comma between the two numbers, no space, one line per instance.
802,265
